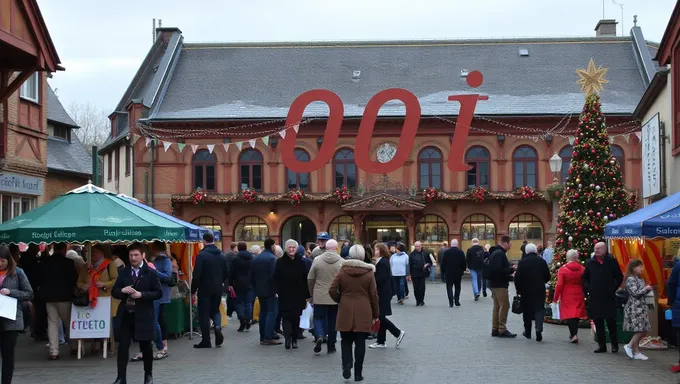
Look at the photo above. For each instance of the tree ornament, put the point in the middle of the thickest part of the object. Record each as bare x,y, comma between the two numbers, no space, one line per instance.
571,238
597,187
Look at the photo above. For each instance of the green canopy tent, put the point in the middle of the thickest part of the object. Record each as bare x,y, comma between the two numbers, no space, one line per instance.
89,214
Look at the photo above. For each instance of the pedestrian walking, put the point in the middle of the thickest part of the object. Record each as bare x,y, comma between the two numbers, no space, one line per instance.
354,289
419,266
474,256
230,255
530,279
241,280
264,286
383,281
290,275
399,262
635,317
569,293
321,275
601,278
137,287
453,267
500,274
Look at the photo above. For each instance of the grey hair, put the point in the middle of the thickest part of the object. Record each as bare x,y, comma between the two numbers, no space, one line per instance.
291,242
278,251
475,241
530,248
572,255
454,243
356,252
332,245
255,248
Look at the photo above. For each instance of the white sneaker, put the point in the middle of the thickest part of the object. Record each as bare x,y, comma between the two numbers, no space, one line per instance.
399,339
629,350
640,356
377,346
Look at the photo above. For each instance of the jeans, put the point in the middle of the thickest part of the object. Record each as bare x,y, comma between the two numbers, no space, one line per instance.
127,330
159,335
399,286
528,316
8,341
478,282
387,325
268,311
419,289
359,341
433,270
244,304
208,309
324,323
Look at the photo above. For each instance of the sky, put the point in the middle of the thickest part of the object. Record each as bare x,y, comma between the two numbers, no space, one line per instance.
102,43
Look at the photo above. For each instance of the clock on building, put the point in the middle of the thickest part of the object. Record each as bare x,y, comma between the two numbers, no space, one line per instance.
386,152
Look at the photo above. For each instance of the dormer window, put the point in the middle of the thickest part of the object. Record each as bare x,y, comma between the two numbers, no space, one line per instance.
62,133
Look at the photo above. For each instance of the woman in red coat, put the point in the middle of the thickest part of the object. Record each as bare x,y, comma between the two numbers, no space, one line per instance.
569,293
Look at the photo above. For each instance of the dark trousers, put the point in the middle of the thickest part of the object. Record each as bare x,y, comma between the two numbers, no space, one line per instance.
8,341
359,341
405,287
419,289
387,325
291,326
573,326
453,281
268,312
208,308
231,305
528,316
601,336
324,323
40,320
126,335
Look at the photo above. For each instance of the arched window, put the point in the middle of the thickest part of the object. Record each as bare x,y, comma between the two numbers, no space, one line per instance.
298,180
478,176
250,166
566,154
430,168
342,228
617,152
345,169
204,164
524,227
209,223
252,230
479,226
432,229
524,163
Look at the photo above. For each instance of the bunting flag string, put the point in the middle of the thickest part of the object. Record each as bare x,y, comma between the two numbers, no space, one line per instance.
283,134
181,146
252,143
239,144
148,141
166,145
194,147
265,140
211,147
226,147
134,138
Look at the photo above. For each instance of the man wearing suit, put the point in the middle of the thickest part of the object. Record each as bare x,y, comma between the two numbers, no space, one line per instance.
453,267
262,276
137,287
210,280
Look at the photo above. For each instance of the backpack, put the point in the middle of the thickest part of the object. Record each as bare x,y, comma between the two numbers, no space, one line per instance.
478,258
486,268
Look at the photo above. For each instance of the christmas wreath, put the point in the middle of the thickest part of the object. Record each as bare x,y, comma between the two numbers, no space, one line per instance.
430,194
249,195
199,196
527,193
342,194
479,194
296,196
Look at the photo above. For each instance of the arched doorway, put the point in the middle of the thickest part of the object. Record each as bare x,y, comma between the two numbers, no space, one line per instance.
300,229
527,227
342,228
252,230
432,231
209,223
479,226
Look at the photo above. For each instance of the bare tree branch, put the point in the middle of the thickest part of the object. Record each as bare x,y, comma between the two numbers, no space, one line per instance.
94,124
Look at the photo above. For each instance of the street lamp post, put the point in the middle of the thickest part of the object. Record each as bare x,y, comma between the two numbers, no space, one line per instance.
555,167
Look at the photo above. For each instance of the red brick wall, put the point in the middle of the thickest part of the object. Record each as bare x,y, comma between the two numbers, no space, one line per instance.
57,184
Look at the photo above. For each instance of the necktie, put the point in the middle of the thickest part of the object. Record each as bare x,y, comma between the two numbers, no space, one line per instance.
135,275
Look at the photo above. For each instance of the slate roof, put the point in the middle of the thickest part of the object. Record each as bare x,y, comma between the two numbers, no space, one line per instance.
56,112
72,157
251,81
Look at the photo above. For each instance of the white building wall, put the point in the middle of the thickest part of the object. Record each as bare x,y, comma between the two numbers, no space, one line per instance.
118,183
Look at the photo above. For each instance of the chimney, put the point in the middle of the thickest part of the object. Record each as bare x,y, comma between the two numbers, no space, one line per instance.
605,27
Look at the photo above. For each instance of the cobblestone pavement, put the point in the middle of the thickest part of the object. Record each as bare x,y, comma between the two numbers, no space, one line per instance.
442,345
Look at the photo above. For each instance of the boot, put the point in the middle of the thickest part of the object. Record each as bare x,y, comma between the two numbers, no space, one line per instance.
248,322
148,379
287,343
219,337
120,381
242,327
294,343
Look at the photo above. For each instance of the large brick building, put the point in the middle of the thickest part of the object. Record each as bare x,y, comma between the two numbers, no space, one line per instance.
196,100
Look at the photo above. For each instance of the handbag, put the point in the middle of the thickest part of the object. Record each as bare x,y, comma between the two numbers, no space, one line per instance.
81,299
621,296
232,293
375,327
517,305
173,280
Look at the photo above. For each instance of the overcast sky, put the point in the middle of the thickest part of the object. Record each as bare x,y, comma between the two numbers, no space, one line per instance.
102,43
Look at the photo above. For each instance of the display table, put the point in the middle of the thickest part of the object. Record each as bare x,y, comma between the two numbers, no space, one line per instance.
175,317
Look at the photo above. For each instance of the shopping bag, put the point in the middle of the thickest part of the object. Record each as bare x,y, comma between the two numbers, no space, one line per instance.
223,313
375,327
555,309
256,310
306,317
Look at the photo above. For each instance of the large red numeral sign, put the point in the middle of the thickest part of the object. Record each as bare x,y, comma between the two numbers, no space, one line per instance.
455,162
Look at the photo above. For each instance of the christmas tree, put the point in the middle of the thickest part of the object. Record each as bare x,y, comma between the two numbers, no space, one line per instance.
594,193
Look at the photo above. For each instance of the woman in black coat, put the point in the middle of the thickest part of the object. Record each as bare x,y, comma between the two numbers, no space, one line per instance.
290,275
383,280
530,279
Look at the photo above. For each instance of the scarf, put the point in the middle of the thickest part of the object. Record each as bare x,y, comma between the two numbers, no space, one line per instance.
95,272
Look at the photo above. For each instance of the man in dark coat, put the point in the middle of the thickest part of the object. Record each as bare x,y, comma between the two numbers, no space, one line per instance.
210,280
601,279
500,274
474,257
530,279
265,290
230,255
440,257
290,274
241,280
137,287
453,267
419,264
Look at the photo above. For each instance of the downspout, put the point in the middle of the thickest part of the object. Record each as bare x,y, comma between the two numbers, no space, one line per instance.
132,160
664,182
153,160
95,167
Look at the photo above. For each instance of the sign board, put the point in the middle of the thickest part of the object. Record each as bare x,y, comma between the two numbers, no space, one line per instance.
651,158
91,323
21,184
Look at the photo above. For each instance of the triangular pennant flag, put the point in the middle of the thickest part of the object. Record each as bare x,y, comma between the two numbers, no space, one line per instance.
134,138
180,146
252,142
627,137
211,147
265,140
166,145
535,139
148,141
239,144
638,135
283,134
226,147
296,127
572,139
194,147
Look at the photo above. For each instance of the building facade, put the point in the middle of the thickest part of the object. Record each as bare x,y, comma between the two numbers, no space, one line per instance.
217,121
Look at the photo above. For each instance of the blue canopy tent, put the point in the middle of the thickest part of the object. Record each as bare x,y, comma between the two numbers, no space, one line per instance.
660,219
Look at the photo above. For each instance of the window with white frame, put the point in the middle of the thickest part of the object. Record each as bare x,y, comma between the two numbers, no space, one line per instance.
30,89
13,206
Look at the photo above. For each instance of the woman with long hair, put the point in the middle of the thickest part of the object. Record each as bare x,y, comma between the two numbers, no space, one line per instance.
354,289
101,276
13,283
383,280
635,311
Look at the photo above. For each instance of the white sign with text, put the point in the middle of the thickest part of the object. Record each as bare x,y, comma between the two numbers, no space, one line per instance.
651,158
91,323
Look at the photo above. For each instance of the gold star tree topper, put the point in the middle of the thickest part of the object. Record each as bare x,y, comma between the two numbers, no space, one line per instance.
591,79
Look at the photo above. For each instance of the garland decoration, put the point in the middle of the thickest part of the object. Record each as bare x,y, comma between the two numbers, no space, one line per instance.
296,196
199,196
554,191
527,193
249,195
478,194
429,194
342,194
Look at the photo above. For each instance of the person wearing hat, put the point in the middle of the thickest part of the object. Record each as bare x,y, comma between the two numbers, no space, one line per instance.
321,239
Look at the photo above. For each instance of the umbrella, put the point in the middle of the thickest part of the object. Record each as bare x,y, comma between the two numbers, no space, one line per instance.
89,213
